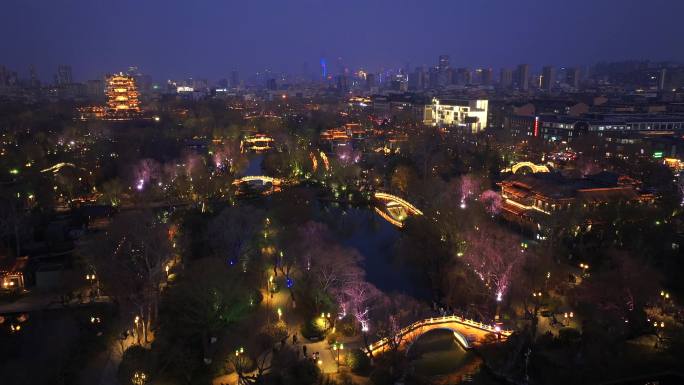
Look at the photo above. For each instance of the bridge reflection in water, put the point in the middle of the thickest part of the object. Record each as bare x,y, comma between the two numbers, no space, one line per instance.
394,209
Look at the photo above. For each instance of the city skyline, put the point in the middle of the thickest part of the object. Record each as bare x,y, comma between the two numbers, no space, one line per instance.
208,40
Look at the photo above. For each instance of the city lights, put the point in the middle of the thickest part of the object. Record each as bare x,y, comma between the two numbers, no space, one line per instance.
390,197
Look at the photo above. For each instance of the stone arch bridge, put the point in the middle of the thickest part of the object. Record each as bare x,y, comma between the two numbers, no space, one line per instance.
468,333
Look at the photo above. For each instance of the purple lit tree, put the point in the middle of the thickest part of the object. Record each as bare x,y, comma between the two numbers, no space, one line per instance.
146,171
491,200
494,254
468,186
331,267
357,298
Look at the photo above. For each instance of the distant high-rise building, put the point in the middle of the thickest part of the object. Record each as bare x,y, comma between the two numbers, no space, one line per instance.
342,83
548,77
443,63
122,97
370,81
399,83
485,76
95,89
418,79
4,75
506,78
234,79
522,77
271,84
64,75
33,77
463,76
324,68
661,79
572,77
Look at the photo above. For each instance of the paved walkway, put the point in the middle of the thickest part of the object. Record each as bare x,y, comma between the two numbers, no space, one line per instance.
282,300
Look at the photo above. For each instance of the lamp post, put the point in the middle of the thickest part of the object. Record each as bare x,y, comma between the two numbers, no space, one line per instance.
584,268
337,347
326,320
139,378
92,280
136,321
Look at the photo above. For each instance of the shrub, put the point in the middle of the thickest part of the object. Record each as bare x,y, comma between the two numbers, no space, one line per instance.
135,359
358,362
312,331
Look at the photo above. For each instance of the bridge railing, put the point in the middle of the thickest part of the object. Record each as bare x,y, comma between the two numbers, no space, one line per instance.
441,320
261,178
410,207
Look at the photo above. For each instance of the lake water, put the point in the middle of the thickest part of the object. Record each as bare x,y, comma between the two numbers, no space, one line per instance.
436,353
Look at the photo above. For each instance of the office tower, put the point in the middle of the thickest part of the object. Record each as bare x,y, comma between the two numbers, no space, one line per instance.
506,78
522,75
548,78
418,79
34,82
342,83
572,77
324,68
64,74
399,83
463,76
443,62
271,85
662,74
486,76
95,89
370,81
341,69
4,75
122,96
234,79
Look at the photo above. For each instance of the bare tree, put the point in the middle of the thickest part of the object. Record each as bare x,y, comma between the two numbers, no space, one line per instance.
494,254
232,233
130,260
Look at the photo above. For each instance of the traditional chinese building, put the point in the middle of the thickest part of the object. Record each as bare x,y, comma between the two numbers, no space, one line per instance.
528,198
122,97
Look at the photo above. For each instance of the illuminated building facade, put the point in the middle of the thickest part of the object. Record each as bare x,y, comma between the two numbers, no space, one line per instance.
12,274
122,97
529,198
471,114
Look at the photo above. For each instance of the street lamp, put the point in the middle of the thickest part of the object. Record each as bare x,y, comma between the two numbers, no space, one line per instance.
337,347
139,378
326,320
280,314
584,268
136,321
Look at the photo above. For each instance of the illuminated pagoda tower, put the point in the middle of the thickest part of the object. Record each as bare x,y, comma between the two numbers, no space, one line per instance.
122,97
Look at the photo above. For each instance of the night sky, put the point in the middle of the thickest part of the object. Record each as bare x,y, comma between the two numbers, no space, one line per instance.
209,38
